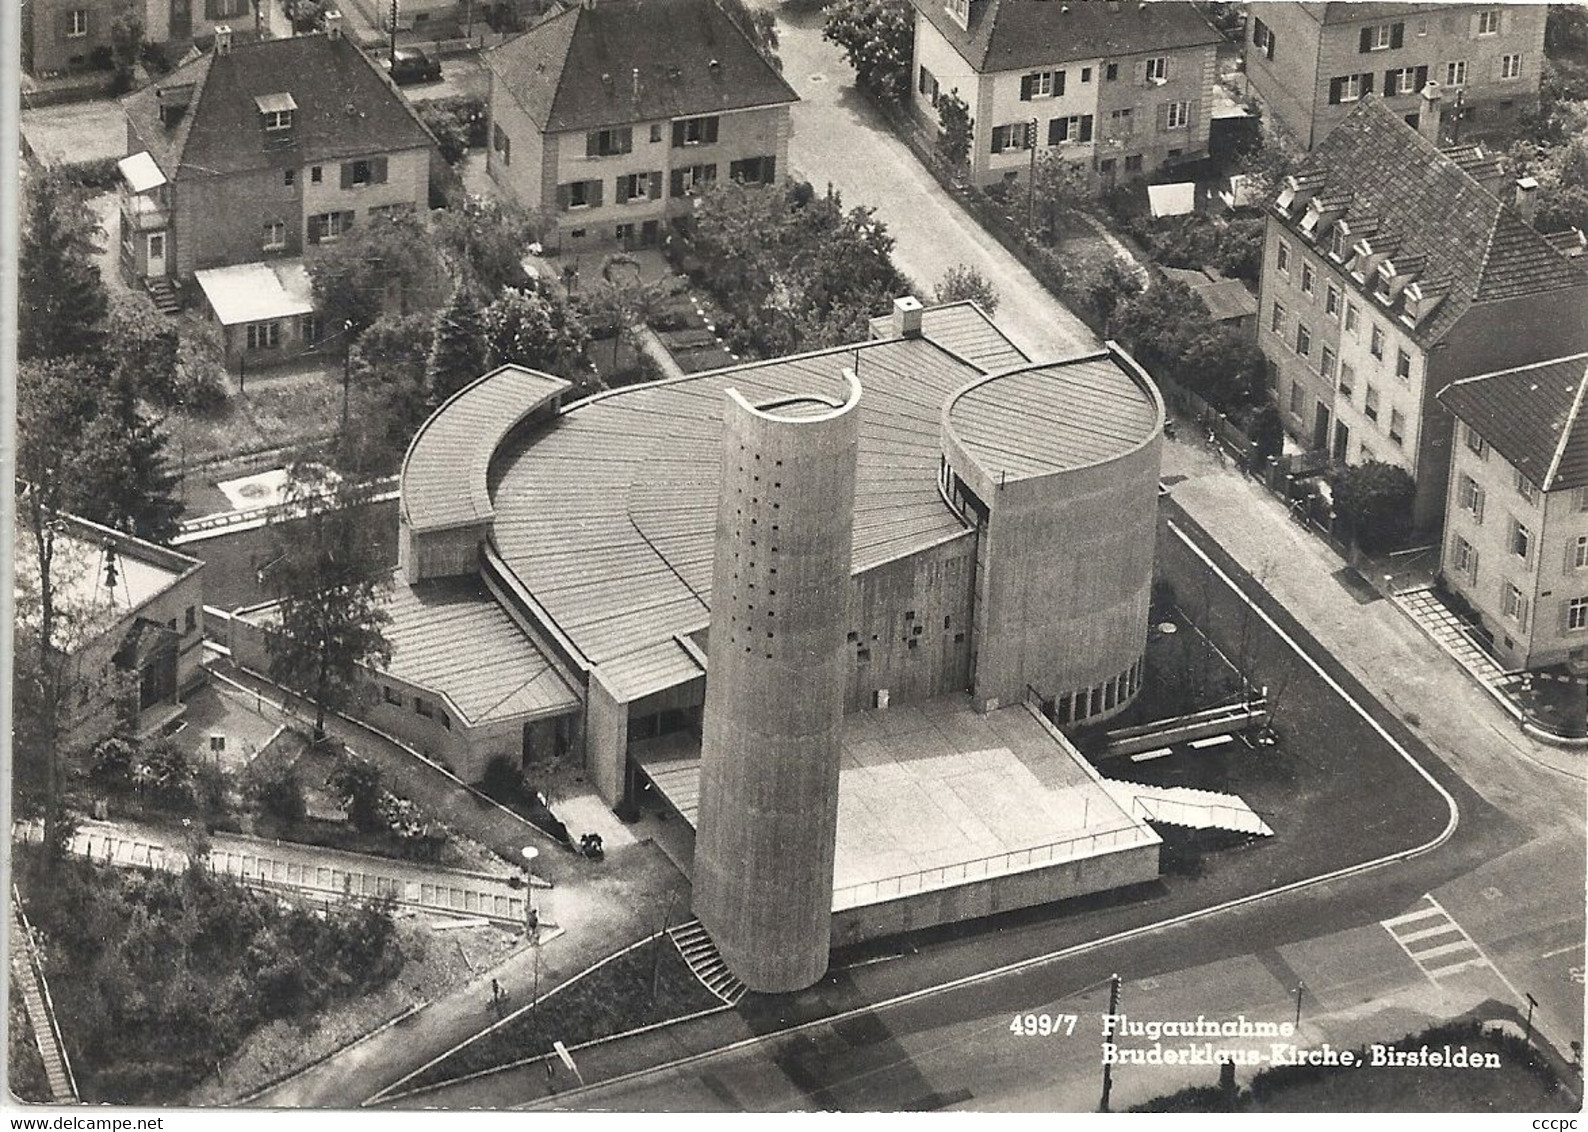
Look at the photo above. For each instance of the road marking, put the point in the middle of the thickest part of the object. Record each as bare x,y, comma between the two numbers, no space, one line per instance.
1422,914
1561,950
1443,949
1408,937
1467,964
1452,821
1214,741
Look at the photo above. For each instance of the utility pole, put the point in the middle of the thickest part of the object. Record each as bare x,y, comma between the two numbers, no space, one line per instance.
1113,1013
347,367
394,32
1300,986
1531,1002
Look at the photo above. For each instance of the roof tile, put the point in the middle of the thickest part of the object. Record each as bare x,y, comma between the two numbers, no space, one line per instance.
1533,416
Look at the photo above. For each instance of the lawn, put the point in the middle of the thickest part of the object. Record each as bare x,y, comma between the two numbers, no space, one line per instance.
611,999
689,334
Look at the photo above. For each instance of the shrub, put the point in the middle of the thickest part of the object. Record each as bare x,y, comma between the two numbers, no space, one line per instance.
357,783
280,795
1375,498
97,174
962,282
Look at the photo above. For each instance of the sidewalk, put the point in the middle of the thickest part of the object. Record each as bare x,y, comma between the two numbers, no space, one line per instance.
1383,648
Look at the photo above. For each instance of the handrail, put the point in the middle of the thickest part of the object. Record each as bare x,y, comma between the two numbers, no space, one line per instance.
965,869
44,989
385,490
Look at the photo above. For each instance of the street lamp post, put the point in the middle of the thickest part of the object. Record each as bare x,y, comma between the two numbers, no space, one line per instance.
1531,1002
1031,178
347,372
532,930
1300,986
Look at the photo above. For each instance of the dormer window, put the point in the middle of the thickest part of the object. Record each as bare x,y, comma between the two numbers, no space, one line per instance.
960,10
275,111
1337,242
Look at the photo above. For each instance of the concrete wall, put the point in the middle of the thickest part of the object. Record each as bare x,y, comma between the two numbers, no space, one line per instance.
606,741
1135,865
910,624
439,554
1295,84
773,727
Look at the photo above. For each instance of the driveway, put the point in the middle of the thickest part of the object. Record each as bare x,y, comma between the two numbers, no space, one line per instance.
840,140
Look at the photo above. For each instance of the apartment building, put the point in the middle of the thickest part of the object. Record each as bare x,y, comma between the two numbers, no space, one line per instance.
1311,63
244,159
612,115
1121,90
1392,268
1516,527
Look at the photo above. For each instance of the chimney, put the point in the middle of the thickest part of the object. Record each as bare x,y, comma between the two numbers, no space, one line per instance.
333,24
1526,198
907,317
223,39
1428,113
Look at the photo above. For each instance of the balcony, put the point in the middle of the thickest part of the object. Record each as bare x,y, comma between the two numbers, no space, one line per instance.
145,212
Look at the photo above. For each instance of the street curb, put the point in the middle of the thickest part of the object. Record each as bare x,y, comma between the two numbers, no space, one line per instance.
1118,937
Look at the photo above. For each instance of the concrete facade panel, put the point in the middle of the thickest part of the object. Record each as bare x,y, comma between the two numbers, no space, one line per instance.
773,726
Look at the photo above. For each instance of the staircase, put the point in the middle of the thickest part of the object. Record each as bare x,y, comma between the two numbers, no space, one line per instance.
1450,632
36,1000
164,296
1184,806
704,960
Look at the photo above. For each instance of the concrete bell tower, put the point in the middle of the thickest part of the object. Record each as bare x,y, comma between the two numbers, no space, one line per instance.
773,723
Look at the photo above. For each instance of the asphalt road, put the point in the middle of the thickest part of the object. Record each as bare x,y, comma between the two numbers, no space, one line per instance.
1515,892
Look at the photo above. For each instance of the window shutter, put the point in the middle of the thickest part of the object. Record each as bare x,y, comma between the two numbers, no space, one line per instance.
347,220
769,170
377,170
711,131
1569,565
1056,128
1421,79
1025,88
628,139
1474,565
656,186
998,138
562,198
620,191
1058,82
678,135
1390,85
1272,39
1397,34
920,81
1366,43
592,143
314,229
678,183
1335,86
347,174
1367,83
1477,505
595,194
1086,127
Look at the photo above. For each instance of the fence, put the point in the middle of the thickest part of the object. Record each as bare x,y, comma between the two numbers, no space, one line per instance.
343,878
381,491
983,868
35,992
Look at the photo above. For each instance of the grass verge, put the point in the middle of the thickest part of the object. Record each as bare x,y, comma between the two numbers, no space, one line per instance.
644,986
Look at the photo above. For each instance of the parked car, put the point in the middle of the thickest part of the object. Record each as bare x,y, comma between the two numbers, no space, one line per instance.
410,65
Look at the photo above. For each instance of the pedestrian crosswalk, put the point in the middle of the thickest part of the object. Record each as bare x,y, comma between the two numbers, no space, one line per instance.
1439,946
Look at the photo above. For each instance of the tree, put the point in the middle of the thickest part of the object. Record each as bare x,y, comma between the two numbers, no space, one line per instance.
1060,187
331,592
1375,499
1225,367
105,460
878,37
126,44
621,301
537,329
307,16
1159,325
962,282
484,240
63,299
387,265
357,783
1102,281
457,350
759,26
390,395
141,349
955,129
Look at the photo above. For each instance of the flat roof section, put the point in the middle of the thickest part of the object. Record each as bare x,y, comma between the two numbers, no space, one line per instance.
936,794
254,292
1054,418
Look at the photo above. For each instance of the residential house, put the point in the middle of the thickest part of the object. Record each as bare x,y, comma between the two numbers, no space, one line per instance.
612,114
130,625
1516,526
1310,63
252,155
1392,268
69,35
1121,90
